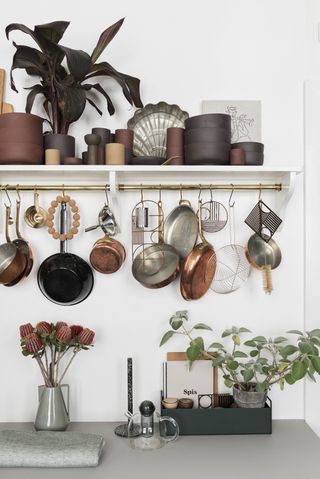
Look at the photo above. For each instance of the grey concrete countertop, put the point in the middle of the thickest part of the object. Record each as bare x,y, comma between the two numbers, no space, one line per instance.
291,452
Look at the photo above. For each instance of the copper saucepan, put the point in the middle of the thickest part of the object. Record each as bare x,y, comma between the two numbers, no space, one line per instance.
199,267
12,260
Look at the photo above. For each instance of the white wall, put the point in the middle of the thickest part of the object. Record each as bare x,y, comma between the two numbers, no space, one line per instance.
183,54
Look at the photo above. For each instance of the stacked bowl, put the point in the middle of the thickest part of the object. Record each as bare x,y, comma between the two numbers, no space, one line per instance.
207,139
253,152
21,141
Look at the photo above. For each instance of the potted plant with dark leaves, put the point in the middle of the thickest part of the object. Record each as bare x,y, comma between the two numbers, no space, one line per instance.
66,78
54,347
253,365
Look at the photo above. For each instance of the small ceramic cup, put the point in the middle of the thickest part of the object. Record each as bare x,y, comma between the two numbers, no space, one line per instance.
114,154
170,403
185,403
52,157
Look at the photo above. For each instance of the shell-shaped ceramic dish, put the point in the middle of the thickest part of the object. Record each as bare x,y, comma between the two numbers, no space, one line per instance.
150,124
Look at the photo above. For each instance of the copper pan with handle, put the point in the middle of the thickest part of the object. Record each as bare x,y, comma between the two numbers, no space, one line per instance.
199,267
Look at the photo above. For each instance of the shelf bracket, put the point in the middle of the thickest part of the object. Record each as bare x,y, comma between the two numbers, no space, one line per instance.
284,196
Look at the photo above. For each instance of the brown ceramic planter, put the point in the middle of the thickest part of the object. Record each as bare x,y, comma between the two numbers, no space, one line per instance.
58,141
20,120
21,154
209,120
21,135
124,136
197,135
215,153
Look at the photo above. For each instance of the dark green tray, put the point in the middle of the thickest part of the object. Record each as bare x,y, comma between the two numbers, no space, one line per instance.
222,421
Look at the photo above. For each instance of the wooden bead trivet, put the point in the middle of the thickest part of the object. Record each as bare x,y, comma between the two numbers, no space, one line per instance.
75,223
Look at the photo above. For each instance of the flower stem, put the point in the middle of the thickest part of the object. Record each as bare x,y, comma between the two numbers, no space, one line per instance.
67,367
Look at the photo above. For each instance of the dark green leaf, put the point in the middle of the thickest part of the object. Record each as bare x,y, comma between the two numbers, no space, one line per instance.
279,339
295,331
304,347
105,39
315,360
299,370
202,326
216,346
233,365
289,379
260,339
254,353
91,102
45,44
72,101
315,341
288,350
175,322
198,342
240,354
248,375
250,343
78,61
244,330
26,57
226,333
52,31
34,91
315,332
260,387
216,362
193,353
228,383
166,337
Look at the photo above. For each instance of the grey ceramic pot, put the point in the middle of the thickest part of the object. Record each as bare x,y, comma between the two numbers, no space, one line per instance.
249,399
213,153
199,135
209,120
53,413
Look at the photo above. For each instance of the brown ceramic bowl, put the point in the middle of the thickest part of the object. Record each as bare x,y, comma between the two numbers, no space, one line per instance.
21,154
209,120
21,135
197,135
214,153
249,146
20,120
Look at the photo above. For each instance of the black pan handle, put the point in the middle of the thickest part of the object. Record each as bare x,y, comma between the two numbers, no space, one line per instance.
63,226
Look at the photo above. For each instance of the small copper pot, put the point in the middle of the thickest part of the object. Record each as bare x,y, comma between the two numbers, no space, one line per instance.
107,255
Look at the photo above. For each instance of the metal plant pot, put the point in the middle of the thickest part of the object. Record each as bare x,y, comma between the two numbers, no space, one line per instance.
249,399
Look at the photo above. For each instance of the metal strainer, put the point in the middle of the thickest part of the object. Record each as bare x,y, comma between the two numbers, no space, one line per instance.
214,215
233,268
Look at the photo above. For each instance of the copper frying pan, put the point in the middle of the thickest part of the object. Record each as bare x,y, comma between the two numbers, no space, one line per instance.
199,268
24,247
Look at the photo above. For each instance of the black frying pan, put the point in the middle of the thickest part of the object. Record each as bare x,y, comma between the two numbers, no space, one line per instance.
65,278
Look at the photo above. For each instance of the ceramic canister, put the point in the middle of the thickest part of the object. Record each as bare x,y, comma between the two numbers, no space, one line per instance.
175,140
115,154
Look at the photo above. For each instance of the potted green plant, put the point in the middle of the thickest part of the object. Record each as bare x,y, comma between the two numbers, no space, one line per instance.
54,347
251,366
66,75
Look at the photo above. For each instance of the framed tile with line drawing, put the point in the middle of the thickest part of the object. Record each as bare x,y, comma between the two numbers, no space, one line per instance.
245,117
181,381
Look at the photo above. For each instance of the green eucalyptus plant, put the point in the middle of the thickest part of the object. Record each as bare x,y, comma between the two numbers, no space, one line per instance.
66,87
253,364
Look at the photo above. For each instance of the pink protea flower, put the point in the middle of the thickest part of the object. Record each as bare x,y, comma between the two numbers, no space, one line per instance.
25,329
33,343
59,324
64,334
86,337
76,329
44,327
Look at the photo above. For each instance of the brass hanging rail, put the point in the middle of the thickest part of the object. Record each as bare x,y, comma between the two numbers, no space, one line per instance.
138,187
